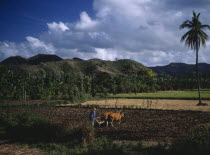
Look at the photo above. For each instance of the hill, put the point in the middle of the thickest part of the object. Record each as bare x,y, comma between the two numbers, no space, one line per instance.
55,64
35,60
180,69
14,60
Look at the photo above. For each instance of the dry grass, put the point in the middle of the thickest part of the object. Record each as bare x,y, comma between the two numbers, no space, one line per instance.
13,149
152,104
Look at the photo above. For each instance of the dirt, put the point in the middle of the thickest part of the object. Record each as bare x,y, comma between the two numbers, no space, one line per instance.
147,124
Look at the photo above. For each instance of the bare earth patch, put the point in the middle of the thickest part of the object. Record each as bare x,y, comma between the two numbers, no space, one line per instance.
13,149
152,104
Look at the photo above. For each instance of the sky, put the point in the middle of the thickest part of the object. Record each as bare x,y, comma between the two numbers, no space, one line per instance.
146,31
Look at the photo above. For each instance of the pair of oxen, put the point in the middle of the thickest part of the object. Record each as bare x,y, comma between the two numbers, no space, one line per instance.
109,117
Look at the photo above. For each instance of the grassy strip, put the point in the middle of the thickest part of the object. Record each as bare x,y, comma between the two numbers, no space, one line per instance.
46,104
5,104
190,95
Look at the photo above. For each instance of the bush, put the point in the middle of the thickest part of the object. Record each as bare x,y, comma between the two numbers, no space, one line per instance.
87,134
102,146
28,126
196,142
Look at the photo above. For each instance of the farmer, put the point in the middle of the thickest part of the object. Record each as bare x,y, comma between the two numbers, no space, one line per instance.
92,116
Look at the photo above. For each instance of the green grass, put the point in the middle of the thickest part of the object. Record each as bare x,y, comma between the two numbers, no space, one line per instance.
205,94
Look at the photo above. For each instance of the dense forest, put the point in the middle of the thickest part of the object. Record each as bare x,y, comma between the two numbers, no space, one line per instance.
21,85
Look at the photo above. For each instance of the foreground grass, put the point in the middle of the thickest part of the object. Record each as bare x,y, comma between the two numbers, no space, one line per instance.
205,94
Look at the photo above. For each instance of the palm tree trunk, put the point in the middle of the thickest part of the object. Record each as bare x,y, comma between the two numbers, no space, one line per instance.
198,78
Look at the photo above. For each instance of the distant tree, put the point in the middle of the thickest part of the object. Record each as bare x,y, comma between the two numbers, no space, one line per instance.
128,69
145,72
193,39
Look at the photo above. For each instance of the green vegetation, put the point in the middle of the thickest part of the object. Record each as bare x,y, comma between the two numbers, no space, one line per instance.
198,142
79,81
20,85
26,126
166,95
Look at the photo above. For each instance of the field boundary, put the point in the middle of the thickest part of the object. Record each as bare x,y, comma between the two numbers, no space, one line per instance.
168,98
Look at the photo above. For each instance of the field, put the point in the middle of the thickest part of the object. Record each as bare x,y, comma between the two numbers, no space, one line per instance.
164,104
149,120
147,125
205,94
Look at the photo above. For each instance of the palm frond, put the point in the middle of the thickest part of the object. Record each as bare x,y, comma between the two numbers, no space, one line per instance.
185,36
185,24
203,37
198,15
205,26
194,14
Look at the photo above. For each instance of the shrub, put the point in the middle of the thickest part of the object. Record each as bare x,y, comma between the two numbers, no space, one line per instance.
28,126
87,134
99,144
196,142
102,146
82,133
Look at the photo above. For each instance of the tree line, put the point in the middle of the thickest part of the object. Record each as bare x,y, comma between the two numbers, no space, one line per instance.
21,85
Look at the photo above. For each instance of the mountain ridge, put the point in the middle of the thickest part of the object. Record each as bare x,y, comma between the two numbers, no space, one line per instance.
34,60
55,64
77,65
180,69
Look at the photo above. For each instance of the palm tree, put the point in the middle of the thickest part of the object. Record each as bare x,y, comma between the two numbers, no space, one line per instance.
128,69
193,39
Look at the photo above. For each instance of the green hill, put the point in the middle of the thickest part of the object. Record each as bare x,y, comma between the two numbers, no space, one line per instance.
54,64
181,69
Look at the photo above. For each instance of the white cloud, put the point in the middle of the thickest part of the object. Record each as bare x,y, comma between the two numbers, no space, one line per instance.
85,22
143,30
106,54
36,44
57,27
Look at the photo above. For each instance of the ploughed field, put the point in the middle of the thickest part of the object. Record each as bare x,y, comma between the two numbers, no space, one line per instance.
138,124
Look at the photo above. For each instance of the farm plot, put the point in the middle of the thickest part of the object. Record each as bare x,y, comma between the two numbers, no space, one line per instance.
193,94
151,125
163,104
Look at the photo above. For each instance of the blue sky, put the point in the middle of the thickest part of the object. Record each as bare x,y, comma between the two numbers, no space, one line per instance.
21,18
146,31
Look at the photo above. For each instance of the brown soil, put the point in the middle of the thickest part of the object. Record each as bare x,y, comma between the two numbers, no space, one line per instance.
149,125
